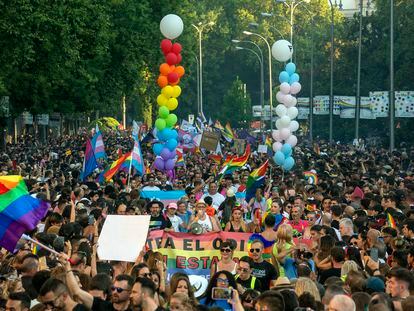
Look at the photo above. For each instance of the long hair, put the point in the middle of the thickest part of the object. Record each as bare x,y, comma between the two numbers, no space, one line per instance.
307,285
175,279
325,245
213,283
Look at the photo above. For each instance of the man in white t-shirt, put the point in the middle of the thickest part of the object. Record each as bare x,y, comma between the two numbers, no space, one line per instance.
151,185
212,192
176,221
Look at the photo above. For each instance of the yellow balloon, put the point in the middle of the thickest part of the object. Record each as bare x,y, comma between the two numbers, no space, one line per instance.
162,100
167,91
172,103
176,91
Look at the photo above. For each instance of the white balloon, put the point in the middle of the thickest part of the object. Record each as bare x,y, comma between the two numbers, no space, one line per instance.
171,26
285,121
281,110
293,101
295,88
292,140
280,97
284,133
276,135
282,50
277,146
279,125
294,126
285,88
288,100
292,112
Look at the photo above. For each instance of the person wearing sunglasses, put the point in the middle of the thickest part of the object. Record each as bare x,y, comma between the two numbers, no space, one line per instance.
221,279
226,262
244,278
54,295
264,271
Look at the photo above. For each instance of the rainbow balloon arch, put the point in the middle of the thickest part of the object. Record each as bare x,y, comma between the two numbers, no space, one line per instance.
171,72
286,110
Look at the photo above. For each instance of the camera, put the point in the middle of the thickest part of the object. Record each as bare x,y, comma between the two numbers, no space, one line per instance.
219,293
303,254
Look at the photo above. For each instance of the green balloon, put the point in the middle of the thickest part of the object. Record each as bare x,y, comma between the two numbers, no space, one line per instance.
163,112
160,124
171,120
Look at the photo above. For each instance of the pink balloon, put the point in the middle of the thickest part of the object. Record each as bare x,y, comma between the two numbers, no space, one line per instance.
280,97
276,135
284,133
285,88
277,146
295,88
292,140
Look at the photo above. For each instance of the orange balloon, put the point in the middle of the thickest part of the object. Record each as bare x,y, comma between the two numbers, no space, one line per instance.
165,69
179,70
176,82
172,68
162,81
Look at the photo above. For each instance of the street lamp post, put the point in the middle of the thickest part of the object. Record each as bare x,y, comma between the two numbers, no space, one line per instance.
248,33
261,82
200,29
256,25
392,111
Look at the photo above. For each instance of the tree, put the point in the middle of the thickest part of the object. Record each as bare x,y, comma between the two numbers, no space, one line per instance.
237,105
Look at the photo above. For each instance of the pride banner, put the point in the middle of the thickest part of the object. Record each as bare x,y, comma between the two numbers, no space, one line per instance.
194,254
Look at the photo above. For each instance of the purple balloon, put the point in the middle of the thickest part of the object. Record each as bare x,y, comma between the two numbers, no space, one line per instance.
172,154
169,164
165,153
159,164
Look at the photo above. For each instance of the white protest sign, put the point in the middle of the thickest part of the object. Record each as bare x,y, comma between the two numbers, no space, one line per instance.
262,149
123,237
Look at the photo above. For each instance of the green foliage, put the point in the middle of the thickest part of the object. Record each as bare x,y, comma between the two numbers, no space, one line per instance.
237,105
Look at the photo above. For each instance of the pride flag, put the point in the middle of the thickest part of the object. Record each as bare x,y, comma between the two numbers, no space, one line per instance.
256,180
89,162
114,168
137,159
98,144
230,131
240,161
19,212
391,221
216,158
180,158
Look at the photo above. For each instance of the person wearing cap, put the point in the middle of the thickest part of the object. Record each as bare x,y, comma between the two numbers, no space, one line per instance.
208,223
176,221
158,221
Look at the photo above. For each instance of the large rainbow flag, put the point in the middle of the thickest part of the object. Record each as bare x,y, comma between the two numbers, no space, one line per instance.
19,212
256,180
115,167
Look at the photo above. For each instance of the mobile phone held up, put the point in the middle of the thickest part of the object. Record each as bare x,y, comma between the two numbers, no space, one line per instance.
220,293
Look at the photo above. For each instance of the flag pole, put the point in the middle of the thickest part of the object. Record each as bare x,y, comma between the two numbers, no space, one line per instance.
130,169
28,238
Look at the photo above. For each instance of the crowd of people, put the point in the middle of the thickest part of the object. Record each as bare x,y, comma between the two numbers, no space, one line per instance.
343,242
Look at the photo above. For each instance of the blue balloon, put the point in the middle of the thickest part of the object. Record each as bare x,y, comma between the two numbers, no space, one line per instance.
290,68
172,144
289,163
284,77
157,148
174,134
287,150
294,78
279,158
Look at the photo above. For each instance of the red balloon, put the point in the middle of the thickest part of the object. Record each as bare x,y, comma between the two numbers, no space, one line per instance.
171,59
172,77
166,46
179,58
176,48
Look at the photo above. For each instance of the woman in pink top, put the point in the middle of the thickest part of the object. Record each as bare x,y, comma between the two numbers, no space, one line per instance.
296,222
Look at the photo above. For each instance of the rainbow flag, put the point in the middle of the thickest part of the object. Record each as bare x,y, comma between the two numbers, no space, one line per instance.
268,142
19,211
256,180
216,158
311,177
230,131
180,157
242,160
268,245
114,168
391,221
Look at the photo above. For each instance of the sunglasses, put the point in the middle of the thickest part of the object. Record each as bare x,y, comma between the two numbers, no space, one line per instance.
243,270
257,250
225,250
119,289
146,275
222,280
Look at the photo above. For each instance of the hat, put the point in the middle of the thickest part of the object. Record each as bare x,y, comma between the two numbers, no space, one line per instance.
375,284
275,189
358,193
172,205
230,193
201,201
155,201
282,282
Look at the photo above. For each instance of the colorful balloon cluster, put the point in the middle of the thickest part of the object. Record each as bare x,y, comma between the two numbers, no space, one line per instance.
170,74
286,124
